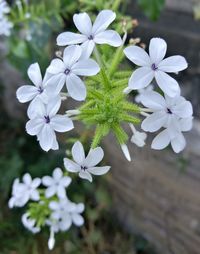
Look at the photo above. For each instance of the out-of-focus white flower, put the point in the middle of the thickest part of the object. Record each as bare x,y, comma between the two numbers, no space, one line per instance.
85,166
56,184
138,137
5,27
142,91
69,70
91,34
46,122
4,8
30,223
25,191
153,66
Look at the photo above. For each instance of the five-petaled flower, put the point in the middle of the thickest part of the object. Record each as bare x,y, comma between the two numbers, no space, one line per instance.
91,34
46,122
56,184
86,166
153,66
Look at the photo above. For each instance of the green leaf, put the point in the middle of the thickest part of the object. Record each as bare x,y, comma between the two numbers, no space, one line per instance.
152,8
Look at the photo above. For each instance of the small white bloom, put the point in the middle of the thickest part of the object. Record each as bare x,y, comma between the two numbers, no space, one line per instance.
166,111
125,151
85,166
46,122
51,241
4,8
153,66
177,140
35,92
68,71
91,34
138,137
25,191
142,91
29,223
5,27
56,184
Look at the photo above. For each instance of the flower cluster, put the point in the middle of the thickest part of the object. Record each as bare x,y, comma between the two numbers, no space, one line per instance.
5,24
102,87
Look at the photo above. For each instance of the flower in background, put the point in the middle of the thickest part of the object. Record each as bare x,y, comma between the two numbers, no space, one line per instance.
29,223
91,34
4,8
25,191
46,122
142,91
56,184
68,71
5,24
85,166
155,66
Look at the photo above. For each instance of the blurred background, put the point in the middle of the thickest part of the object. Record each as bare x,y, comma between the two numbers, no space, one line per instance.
148,206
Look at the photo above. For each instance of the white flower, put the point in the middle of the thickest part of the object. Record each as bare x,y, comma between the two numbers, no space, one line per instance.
142,91
25,191
85,166
153,66
29,223
138,137
91,34
46,122
177,140
56,184
68,71
5,27
4,8
65,212
35,92
125,151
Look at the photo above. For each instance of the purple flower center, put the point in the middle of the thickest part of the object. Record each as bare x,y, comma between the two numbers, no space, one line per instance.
83,168
40,89
67,71
154,67
169,111
47,119
90,37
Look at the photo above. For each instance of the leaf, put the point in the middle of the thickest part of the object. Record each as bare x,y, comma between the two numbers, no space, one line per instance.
152,8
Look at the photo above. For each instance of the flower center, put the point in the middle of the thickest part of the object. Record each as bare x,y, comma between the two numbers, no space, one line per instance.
47,119
154,67
169,111
40,89
90,37
84,168
67,71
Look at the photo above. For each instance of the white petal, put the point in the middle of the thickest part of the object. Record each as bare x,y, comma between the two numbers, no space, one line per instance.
68,38
167,84
161,141
46,137
35,195
186,124
61,123
65,181
83,23
154,122
85,175
71,166
99,170
137,55
36,182
78,152
94,157
157,50
56,66
50,191
34,74
153,100
71,55
125,151
26,93
87,67
183,110
53,205
178,143
141,78
61,192
53,106
47,181
87,49
57,174
80,207
56,83
27,179
55,145
109,37
66,223
173,64
76,88
103,20
77,220
34,126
